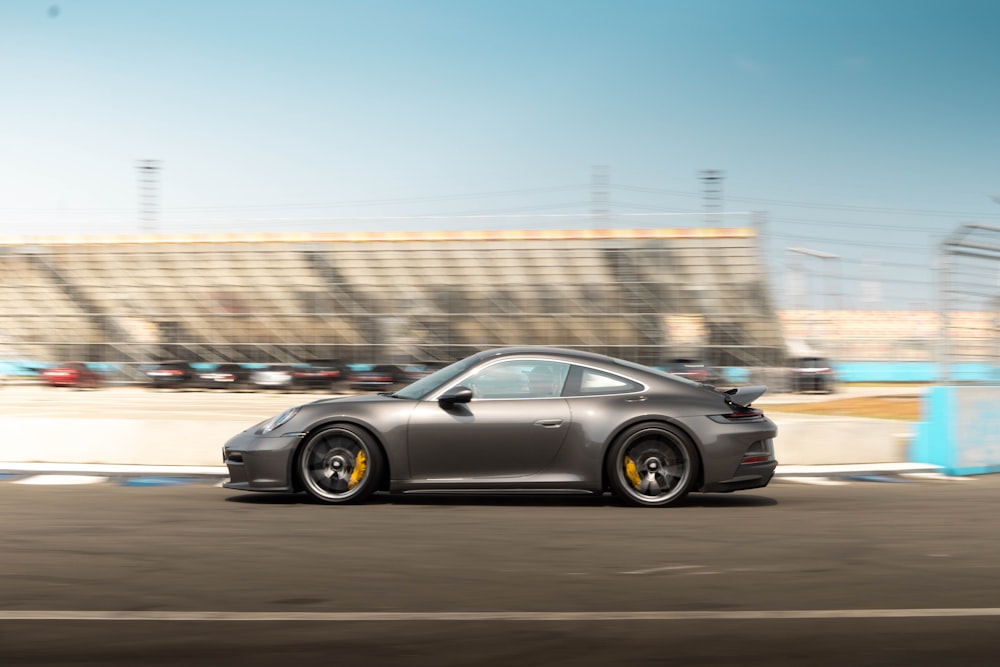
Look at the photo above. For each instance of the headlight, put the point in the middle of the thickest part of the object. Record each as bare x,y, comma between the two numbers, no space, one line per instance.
275,422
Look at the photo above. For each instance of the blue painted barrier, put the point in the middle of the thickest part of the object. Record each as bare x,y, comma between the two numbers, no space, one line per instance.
960,430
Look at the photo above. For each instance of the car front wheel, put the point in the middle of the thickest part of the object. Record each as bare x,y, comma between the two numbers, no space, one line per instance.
340,464
653,465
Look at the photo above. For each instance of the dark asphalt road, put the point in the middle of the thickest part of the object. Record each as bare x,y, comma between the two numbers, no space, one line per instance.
909,546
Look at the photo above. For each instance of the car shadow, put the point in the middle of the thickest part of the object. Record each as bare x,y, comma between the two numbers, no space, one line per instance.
508,499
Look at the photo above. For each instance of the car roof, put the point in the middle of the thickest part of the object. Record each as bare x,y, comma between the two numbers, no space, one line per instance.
527,350
568,355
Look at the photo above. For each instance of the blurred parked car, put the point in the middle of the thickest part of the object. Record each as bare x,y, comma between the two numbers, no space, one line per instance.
72,374
692,369
325,375
174,374
380,377
276,376
224,376
422,369
811,374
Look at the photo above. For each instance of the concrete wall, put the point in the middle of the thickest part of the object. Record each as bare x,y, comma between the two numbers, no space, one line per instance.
116,441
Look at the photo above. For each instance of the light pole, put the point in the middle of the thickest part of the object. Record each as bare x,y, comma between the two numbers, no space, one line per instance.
834,296
149,190
833,301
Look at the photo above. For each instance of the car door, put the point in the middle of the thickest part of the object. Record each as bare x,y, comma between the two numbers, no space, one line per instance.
509,429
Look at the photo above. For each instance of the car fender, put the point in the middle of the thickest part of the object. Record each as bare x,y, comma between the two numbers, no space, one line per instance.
654,419
389,435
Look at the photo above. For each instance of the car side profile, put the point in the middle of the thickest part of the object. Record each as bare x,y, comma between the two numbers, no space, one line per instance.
378,377
274,376
812,374
692,369
72,374
224,376
173,374
517,419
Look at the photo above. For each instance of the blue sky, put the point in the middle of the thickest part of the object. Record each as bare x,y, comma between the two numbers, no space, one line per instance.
868,130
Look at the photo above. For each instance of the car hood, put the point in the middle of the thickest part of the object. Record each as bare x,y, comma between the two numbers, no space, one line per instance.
360,398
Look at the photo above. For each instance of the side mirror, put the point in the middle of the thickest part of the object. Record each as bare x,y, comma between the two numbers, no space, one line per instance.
454,396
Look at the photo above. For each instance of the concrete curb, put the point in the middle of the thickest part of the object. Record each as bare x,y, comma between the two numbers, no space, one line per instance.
852,470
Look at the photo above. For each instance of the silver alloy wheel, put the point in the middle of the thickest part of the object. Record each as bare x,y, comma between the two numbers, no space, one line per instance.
653,465
339,465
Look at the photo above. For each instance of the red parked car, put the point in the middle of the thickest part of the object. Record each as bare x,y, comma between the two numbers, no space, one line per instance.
72,374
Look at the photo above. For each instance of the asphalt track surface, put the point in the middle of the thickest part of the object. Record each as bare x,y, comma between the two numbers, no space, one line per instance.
859,573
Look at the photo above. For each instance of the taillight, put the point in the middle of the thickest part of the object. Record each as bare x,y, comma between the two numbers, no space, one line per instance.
165,371
739,414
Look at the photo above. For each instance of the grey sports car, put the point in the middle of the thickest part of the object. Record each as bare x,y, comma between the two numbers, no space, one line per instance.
524,418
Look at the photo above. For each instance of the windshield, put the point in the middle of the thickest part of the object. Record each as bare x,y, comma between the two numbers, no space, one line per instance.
428,384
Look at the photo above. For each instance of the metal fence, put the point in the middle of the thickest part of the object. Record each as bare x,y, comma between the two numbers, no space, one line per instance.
969,297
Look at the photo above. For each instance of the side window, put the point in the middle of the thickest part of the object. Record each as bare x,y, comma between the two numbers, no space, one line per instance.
519,378
594,383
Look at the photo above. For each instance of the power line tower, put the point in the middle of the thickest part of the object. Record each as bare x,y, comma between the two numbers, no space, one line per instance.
599,180
149,193
711,180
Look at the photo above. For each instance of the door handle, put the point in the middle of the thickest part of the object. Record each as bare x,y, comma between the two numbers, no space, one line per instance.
549,423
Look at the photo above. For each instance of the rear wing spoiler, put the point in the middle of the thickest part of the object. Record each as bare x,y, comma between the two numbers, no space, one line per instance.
744,396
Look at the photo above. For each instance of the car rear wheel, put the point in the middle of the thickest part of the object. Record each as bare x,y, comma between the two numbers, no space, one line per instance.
654,465
340,464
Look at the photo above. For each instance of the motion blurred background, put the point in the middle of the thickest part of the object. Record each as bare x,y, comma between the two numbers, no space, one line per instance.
743,184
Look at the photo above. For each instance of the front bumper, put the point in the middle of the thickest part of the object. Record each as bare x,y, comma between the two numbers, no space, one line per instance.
261,463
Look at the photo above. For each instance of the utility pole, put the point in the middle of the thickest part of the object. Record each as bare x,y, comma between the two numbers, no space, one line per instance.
711,180
599,207
149,193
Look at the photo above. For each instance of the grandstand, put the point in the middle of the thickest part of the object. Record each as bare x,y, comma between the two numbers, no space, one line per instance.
642,294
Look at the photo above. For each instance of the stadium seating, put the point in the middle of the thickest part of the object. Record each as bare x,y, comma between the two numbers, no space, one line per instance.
389,296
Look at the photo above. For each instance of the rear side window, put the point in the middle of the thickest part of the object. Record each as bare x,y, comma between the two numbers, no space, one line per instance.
592,382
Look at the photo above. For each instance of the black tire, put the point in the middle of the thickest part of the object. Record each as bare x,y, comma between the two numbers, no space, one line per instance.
652,465
340,464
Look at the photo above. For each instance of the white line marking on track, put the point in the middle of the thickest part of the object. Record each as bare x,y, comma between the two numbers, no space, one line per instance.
937,477
476,616
54,480
665,568
818,481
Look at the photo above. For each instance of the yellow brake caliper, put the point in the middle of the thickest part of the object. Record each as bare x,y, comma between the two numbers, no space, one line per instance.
632,473
360,466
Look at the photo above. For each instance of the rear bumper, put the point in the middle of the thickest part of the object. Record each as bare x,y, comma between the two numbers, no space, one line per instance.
748,476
